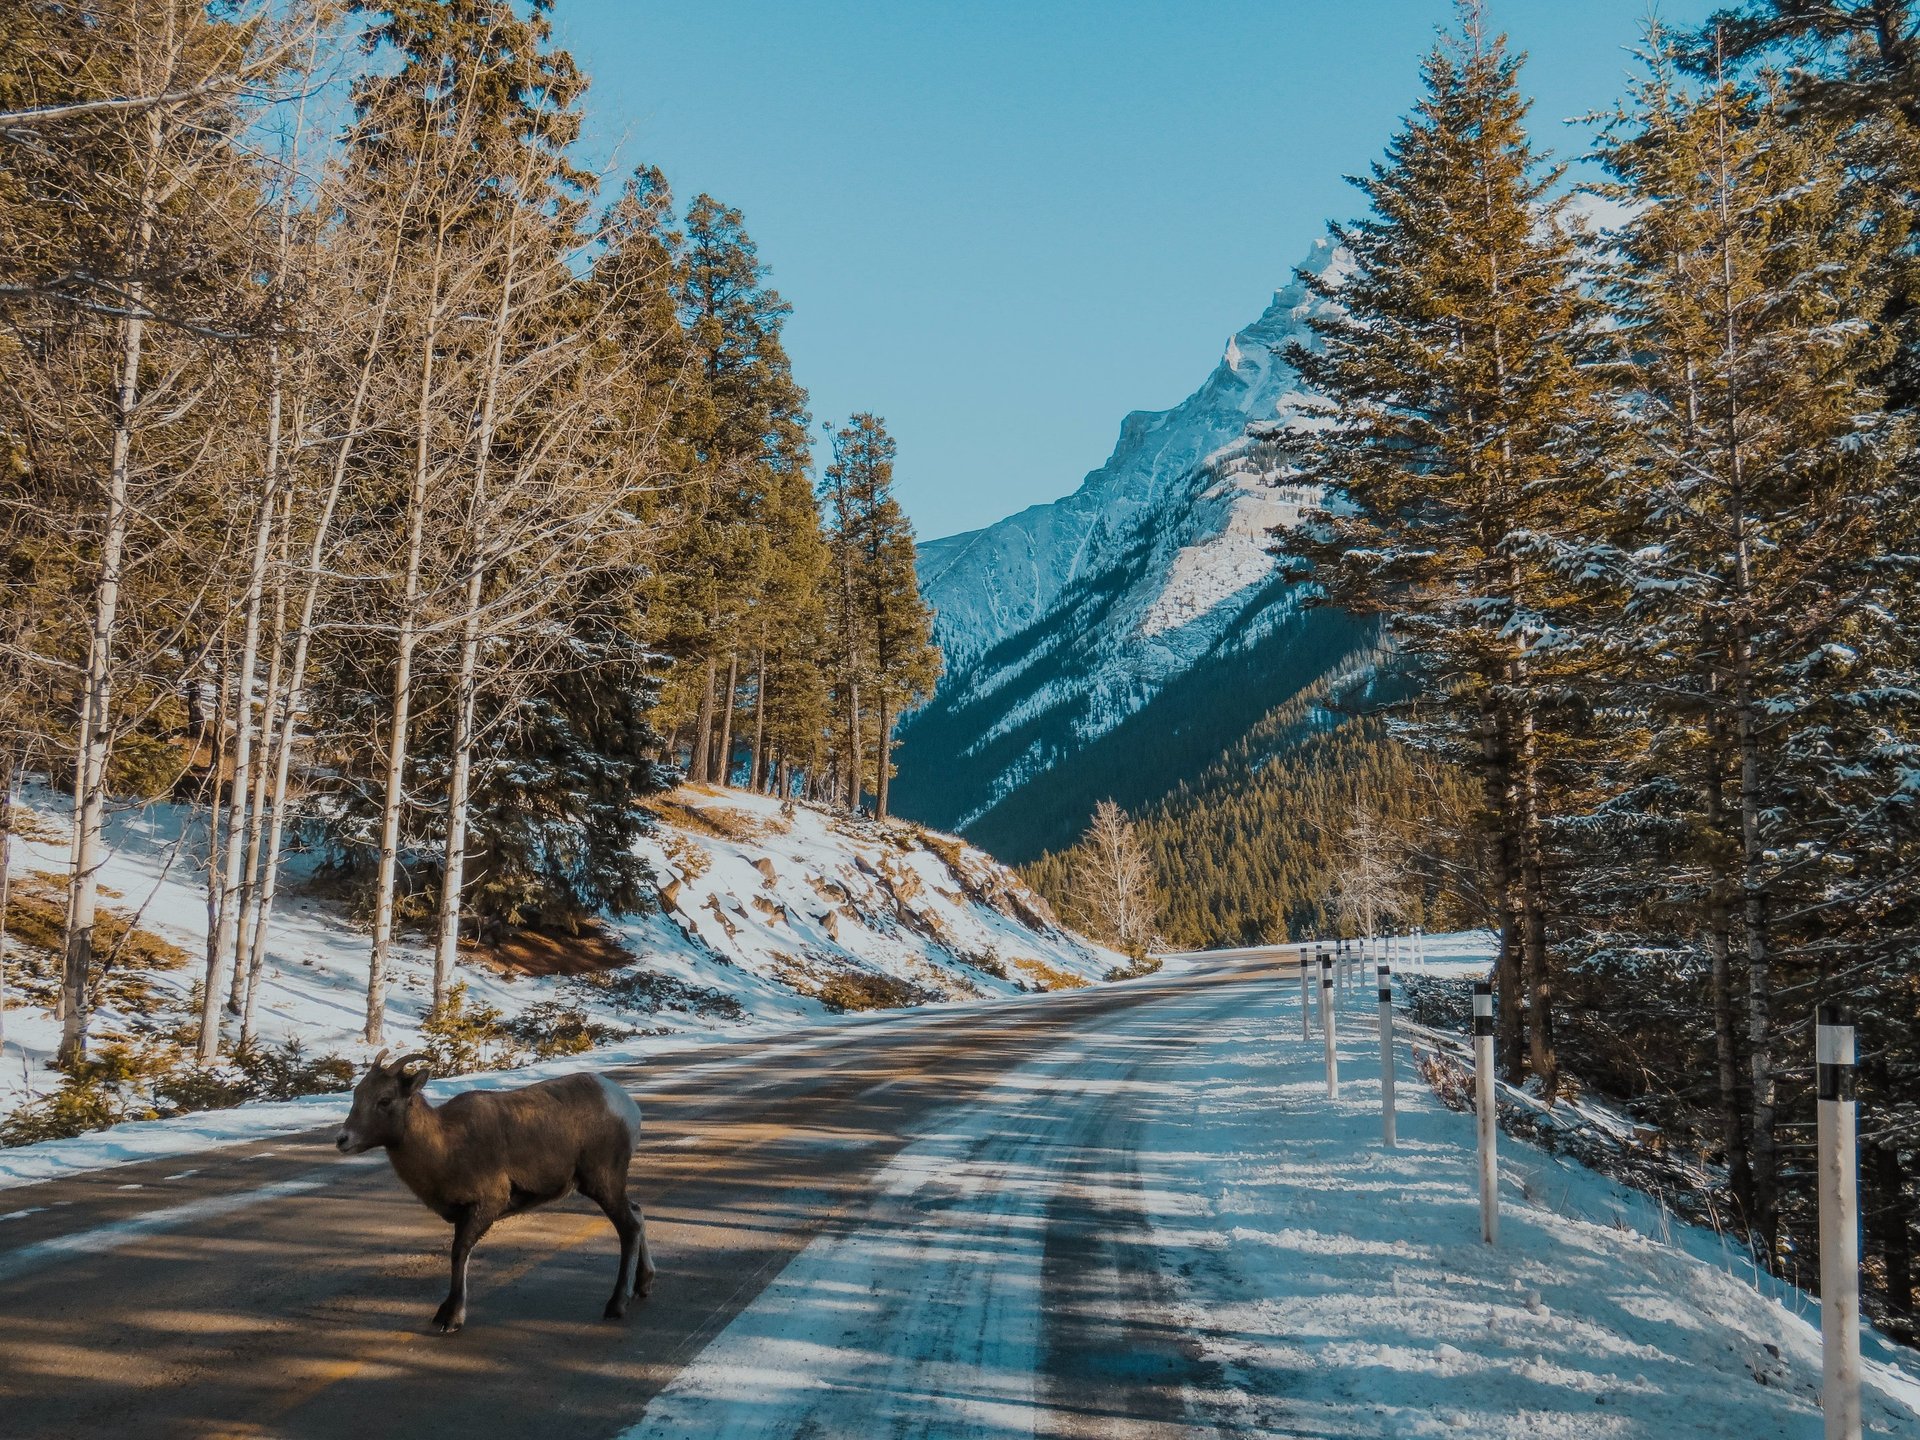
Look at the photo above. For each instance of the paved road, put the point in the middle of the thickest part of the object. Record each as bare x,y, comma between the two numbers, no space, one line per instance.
275,1289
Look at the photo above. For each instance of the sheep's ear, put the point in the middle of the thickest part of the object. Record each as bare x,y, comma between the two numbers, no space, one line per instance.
414,1072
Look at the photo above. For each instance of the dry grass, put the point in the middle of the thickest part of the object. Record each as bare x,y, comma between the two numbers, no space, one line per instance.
841,989
37,919
862,990
584,951
28,826
715,821
952,852
1047,977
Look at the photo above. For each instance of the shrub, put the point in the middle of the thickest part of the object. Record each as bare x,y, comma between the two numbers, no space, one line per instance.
988,962
462,1037
254,1072
83,1102
863,990
144,1082
649,991
551,1029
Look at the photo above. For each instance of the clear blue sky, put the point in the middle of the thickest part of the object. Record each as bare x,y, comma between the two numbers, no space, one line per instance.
1003,224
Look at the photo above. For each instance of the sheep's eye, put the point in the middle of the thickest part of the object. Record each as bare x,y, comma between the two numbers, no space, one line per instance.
387,1104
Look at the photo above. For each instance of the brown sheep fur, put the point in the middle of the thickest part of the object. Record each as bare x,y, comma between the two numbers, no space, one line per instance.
487,1154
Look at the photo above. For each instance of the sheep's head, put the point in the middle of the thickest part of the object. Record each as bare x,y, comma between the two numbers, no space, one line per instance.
380,1102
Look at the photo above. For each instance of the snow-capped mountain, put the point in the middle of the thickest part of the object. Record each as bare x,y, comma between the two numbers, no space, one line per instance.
989,584
1107,643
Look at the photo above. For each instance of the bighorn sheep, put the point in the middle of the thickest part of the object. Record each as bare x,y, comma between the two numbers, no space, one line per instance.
486,1154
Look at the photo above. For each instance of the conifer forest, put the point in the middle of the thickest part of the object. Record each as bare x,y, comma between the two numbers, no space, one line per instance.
1641,499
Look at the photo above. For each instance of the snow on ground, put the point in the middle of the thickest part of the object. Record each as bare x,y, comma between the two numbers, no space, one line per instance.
764,906
1176,1197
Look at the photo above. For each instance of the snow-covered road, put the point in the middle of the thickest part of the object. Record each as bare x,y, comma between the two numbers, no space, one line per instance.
1165,1227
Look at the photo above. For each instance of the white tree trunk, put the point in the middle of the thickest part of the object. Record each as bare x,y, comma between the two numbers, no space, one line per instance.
253,882
226,936
394,798
88,851
446,945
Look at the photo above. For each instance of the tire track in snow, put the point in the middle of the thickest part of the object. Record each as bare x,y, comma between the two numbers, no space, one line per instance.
932,1312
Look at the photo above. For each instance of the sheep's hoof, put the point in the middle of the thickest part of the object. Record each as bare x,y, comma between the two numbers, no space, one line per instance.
447,1320
643,1287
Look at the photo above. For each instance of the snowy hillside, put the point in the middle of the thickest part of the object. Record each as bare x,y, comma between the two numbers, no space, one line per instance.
768,914
1124,609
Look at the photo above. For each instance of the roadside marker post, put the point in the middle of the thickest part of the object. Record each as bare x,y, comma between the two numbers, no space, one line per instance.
1386,1056
1306,998
1484,1109
1326,1025
1839,1224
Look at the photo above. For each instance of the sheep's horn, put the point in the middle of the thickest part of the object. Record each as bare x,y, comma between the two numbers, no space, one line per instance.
399,1066
379,1058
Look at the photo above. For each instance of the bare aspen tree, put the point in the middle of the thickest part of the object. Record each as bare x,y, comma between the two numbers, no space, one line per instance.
223,953
144,159
1374,876
434,314
365,241
1113,882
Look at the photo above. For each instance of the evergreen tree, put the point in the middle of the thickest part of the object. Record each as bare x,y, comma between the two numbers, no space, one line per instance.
1451,368
1762,512
881,629
749,428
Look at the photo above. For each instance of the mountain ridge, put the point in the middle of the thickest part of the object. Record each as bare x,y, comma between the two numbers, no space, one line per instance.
1128,614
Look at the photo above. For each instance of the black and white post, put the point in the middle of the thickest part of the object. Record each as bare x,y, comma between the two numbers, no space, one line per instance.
1326,1025
1483,1104
1386,1056
1306,997
1839,1225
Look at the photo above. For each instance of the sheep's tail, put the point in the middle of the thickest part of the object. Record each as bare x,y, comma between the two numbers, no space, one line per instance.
623,1106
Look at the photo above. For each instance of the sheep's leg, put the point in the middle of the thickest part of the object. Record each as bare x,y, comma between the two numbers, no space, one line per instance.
613,1200
643,1281
467,1230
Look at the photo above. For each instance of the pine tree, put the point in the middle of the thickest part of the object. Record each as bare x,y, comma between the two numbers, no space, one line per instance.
882,630
1763,517
1451,368
748,429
